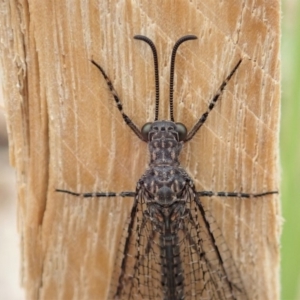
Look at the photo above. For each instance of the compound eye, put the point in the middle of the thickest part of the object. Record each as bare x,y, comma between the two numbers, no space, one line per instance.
145,130
182,131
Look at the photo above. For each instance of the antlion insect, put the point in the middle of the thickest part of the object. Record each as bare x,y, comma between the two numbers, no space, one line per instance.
172,249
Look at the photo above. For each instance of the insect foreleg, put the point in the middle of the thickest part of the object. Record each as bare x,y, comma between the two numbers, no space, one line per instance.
127,120
211,105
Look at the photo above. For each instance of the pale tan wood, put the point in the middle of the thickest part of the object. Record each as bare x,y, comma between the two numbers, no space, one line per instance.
65,131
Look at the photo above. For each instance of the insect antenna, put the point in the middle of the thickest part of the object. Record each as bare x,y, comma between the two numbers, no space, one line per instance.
173,56
151,44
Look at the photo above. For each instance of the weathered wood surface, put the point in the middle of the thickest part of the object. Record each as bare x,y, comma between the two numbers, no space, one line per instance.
66,132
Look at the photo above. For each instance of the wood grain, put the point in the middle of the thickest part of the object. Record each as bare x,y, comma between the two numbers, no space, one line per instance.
66,132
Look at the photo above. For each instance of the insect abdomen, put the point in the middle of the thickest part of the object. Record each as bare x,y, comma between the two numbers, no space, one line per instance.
172,277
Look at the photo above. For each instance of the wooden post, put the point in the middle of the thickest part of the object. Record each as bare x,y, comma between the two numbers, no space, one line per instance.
66,132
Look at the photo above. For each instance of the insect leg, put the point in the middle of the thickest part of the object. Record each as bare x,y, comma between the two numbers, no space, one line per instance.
98,194
211,105
233,194
127,120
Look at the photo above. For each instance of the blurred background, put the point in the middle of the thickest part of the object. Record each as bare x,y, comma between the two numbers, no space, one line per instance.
290,174
9,240
290,150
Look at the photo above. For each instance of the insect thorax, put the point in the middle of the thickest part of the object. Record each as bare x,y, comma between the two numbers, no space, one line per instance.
164,144
164,180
